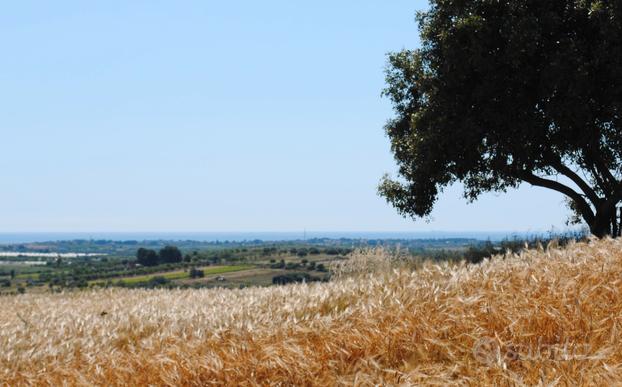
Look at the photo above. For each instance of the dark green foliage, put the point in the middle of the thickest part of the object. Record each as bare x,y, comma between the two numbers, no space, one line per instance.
278,265
292,266
477,254
321,267
166,255
170,254
269,250
147,257
336,251
196,273
507,92
158,281
291,278
5,283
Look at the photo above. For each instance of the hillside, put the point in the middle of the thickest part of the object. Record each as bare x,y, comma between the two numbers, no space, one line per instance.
550,316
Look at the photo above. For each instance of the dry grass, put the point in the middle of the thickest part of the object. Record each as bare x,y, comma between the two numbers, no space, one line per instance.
545,317
377,260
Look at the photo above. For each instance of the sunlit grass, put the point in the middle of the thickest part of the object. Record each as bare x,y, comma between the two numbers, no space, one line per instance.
177,274
544,317
33,276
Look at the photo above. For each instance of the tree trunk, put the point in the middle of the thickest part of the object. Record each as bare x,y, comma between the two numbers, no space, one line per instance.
600,229
601,226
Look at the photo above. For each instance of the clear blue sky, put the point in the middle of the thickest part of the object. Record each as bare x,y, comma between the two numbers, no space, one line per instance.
212,116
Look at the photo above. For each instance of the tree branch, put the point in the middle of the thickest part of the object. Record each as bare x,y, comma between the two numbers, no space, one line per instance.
603,170
572,175
599,179
582,205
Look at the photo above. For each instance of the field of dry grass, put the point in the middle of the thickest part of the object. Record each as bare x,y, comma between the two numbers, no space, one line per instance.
552,316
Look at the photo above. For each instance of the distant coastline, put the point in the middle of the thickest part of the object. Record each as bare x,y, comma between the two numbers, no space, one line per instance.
31,237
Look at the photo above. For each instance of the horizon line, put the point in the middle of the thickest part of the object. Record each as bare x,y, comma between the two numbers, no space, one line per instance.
555,229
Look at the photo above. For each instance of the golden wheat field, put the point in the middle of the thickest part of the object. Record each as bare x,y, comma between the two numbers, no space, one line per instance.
549,316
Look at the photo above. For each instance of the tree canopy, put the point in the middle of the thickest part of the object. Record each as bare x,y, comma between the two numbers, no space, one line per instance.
506,92
170,254
146,257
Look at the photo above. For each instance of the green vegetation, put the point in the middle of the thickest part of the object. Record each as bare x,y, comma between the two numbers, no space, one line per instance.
147,257
157,263
180,274
168,254
509,92
196,273
225,264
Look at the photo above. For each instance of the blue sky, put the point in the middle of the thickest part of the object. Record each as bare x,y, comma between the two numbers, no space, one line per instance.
212,116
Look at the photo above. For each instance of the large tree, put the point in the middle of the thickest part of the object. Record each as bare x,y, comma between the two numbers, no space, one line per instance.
170,254
510,91
146,257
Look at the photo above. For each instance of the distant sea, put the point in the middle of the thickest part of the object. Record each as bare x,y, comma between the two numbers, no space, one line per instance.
28,237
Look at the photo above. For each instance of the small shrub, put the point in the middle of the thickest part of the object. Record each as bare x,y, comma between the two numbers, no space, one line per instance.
196,273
